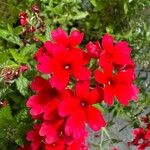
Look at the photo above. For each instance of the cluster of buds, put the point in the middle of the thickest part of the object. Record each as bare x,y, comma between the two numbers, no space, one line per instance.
9,74
31,22
142,134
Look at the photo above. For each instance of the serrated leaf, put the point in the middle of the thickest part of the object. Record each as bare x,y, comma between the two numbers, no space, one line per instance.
18,57
22,84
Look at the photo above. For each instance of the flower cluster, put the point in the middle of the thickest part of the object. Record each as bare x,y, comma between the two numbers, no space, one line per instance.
32,23
142,135
64,104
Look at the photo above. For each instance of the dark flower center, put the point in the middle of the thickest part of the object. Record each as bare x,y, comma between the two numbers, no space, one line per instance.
83,103
108,55
61,134
110,82
67,66
54,144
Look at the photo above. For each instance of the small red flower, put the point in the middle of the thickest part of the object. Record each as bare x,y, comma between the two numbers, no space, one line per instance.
81,105
118,53
117,84
45,101
23,18
62,65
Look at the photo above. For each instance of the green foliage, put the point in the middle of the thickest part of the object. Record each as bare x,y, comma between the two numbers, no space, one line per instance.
12,128
22,85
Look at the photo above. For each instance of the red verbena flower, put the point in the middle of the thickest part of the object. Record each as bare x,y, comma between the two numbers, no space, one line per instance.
117,85
118,53
81,105
62,65
45,101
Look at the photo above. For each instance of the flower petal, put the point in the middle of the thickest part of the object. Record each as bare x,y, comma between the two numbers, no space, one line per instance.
107,42
95,119
82,89
37,104
75,38
39,83
60,81
100,77
44,65
94,96
60,36
82,73
68,106
75,125
109,95
49,132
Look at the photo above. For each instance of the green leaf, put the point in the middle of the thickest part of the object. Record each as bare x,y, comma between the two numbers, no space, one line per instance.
22,84
5,113
18,57
28,51
10,29
80,15
125,8
93,2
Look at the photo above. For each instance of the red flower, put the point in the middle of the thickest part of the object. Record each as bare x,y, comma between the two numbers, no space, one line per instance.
34,137
62,65
81,106
45,101
117,84
118,53
94,49
23,18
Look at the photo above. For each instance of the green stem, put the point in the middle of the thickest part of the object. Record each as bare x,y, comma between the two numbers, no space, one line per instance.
101,141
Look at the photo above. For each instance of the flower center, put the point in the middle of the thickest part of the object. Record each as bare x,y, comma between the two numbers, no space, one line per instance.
83,103
67,66
108,55
54,144
61,134
110,82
